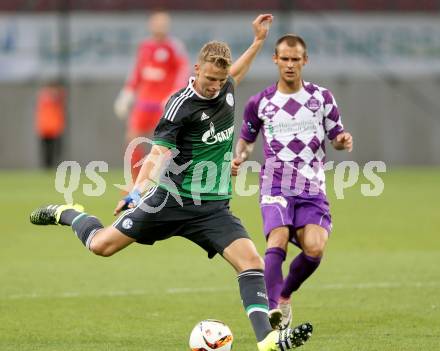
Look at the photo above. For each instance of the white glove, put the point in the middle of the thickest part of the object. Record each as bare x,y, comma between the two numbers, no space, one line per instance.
123,103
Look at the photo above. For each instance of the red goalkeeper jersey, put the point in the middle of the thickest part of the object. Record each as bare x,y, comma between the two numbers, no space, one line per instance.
161,68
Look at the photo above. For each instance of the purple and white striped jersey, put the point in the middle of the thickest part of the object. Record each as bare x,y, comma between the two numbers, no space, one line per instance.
293,128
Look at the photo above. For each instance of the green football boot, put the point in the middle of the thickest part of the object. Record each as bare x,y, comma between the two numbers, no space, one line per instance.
51,214
287,339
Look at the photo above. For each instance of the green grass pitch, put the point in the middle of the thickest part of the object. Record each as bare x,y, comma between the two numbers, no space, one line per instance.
377,289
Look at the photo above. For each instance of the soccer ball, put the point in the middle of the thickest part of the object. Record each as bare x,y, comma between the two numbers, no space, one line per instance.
209,335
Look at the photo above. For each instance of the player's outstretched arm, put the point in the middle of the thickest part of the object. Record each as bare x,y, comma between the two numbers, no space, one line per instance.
149,175
343,141
243,149
261,27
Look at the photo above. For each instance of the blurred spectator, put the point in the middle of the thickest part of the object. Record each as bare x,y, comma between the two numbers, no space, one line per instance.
161,68
50,121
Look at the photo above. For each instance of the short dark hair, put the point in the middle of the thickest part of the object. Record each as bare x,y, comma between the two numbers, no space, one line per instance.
291,40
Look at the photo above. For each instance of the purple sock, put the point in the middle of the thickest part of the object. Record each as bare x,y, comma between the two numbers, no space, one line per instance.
273,274
300,269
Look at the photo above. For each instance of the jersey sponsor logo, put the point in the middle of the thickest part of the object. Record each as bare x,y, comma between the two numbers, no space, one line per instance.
230,99
156,74
269,200
204,116
292,127
211,137
313,104
127,223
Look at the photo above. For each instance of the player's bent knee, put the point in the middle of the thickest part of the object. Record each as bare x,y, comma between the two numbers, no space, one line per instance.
278,237
104,253
314,243
101,249
316,250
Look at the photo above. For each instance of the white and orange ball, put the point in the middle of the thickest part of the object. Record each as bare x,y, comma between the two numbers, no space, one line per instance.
211,335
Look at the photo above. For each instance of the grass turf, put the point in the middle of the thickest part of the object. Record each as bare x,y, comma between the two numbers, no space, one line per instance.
377,289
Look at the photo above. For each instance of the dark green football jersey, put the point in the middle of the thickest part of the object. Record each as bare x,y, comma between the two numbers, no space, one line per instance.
200,131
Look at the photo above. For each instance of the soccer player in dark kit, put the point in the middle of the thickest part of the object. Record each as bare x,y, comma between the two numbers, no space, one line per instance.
186,184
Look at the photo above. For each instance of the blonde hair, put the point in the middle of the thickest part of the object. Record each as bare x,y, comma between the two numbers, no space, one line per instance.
216,52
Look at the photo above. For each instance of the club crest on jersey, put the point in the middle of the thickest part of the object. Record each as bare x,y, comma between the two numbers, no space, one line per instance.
127,223
230,99
270,110
313,104
161,55
211,137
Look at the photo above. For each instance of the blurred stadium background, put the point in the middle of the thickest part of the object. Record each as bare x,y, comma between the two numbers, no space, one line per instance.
381,59
379,286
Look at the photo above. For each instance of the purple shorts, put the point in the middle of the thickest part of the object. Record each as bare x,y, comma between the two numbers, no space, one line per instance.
294,212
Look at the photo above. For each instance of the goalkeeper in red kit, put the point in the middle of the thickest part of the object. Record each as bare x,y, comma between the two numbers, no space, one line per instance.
160,69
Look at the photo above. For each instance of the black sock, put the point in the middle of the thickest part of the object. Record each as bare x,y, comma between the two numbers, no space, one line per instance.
84,226
254,297
67,216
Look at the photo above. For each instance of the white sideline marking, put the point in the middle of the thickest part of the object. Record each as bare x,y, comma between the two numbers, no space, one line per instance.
338,286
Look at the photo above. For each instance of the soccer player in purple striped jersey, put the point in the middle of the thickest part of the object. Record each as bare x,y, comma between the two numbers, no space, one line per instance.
294,116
